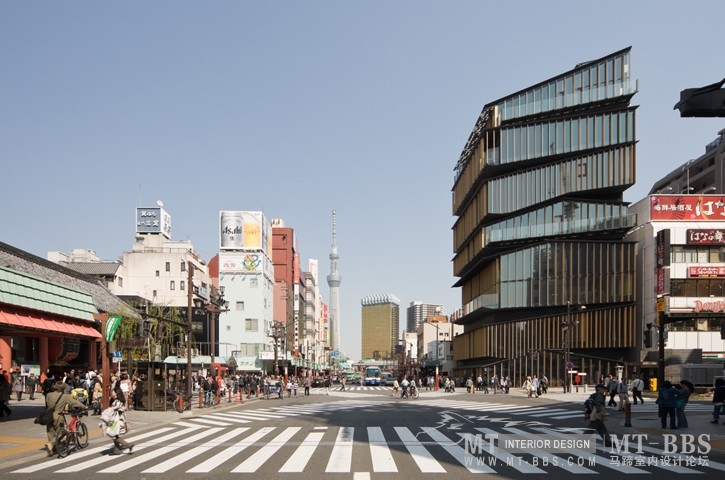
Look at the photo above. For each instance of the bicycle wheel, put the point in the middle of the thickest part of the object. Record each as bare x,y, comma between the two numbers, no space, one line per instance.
81,435
415,395
62,442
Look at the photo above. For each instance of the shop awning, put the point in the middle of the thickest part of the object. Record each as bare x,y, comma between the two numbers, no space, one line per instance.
248,364
41,323
195,360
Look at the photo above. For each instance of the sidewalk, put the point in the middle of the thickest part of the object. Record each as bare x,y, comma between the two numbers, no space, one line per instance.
20,436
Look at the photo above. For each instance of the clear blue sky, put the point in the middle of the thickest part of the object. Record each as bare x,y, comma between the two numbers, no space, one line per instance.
298,108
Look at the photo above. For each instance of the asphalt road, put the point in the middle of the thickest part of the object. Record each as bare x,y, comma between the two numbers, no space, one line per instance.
366,434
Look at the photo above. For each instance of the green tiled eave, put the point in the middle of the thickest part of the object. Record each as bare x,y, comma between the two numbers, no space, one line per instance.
23,290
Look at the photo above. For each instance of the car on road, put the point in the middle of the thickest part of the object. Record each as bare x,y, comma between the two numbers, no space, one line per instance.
386,379
318,382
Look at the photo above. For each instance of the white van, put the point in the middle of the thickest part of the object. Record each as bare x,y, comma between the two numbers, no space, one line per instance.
386,378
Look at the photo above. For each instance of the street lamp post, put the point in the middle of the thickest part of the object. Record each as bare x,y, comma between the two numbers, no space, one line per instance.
274,333
568,325
189,325
216,306
435,387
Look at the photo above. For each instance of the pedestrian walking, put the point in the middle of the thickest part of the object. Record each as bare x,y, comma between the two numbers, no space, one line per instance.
31,383
114,423
623,394
18,387
612,386
58,401
308,383
685,389
595,412
718,399
637,389
469,385
528,387
4,396
667,404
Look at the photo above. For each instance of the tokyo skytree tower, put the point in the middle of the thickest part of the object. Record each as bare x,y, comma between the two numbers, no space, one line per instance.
333,281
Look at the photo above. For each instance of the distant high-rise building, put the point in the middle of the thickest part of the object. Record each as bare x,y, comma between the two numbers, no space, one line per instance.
333,281
380,326
418,312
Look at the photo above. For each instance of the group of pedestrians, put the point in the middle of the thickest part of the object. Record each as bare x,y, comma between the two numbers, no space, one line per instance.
535,387
113,419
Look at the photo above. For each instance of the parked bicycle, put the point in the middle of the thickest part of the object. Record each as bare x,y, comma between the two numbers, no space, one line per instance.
71,435
182,401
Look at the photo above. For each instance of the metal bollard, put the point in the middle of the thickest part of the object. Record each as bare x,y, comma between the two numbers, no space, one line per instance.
627,414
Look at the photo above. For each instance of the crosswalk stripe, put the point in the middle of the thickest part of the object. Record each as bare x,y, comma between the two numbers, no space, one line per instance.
456,452
549,412
157,452
251,464
422,457
603,461
341,457
88,452
195,452
231,419
298,460
509,459
221,457
209,421
379,452
572,467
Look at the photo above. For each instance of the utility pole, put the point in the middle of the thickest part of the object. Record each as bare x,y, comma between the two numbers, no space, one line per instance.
275,335
189,326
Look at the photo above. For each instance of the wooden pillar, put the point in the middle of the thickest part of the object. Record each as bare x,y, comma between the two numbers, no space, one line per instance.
43,357
105,367
93,354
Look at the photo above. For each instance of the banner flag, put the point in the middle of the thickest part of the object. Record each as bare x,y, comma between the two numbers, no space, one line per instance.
112,325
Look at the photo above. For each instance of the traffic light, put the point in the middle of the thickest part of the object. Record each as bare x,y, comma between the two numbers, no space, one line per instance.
648,338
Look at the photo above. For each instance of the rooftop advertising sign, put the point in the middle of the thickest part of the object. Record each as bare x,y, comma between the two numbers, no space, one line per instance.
153,220
687,208
243,230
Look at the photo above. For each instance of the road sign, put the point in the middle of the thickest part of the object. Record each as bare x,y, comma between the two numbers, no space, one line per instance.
118,354
569,365
661,304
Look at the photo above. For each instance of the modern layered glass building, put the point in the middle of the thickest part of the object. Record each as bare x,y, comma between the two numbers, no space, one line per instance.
543,264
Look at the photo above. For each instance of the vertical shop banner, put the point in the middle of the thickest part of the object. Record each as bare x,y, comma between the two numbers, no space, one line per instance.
112,327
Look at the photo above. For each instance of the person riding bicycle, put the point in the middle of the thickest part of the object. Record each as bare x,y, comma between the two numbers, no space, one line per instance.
405,385
396,387
58,401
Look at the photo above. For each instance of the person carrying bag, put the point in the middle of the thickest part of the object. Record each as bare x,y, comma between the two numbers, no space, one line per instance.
113,421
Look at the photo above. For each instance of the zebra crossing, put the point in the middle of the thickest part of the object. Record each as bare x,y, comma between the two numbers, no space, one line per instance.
558,411
185,448
353,388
